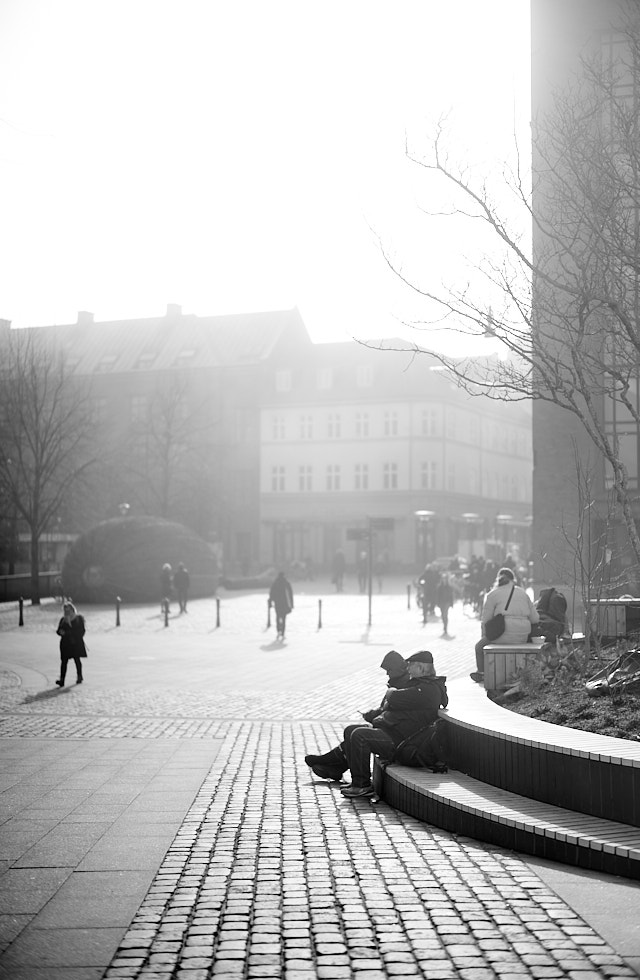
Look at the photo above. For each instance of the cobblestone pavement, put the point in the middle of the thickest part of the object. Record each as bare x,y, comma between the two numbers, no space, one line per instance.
274,874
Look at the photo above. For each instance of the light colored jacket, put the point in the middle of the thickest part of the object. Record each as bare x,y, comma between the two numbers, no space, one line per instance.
518,618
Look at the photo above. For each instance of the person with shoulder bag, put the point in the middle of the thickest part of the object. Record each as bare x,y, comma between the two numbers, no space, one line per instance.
507,617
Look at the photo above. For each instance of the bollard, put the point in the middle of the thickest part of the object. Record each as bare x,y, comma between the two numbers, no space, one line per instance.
217,613
166,611
408,597
268,613
319,614
21,607
425,612
118,601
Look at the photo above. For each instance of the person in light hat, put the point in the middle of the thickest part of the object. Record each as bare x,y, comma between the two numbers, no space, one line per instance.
405,709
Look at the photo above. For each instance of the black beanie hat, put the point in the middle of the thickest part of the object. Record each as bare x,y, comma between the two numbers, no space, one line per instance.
421,657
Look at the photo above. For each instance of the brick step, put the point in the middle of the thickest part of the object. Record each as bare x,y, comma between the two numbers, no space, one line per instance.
464,805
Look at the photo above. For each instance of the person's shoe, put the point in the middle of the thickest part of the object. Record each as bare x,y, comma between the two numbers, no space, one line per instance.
331,765
79,681
327,772
60,683
355,792
477,676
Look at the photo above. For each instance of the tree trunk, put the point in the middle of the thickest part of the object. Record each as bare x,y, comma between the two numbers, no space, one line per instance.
35,569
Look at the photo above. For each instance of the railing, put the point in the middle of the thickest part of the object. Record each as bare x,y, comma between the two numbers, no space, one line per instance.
12,587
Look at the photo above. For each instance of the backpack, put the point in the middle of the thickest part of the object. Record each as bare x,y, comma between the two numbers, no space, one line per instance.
425,749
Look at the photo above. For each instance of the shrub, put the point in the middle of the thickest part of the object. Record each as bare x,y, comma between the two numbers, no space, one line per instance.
124,556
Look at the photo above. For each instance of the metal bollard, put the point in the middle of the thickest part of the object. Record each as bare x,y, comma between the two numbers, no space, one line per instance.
118,601
21,607
408,597
319,614
166,611
268,613
217,613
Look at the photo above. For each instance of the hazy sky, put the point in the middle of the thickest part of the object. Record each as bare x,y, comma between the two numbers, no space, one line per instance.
234,156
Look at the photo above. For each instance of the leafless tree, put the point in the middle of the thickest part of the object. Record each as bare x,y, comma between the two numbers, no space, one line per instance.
565,314
170,459
46,448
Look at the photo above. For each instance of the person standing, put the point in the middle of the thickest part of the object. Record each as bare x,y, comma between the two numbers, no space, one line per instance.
338,570
444,601
181,583
281,598
71,630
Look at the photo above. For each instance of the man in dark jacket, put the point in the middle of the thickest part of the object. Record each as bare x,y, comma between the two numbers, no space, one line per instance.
552,607
281,597
333,763
405,710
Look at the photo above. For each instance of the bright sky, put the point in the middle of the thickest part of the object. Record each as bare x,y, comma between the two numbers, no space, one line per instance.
234,156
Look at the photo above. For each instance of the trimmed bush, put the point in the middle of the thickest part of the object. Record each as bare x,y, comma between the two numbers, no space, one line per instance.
124,557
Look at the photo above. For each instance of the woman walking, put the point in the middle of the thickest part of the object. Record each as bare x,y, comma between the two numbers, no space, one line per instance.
71,630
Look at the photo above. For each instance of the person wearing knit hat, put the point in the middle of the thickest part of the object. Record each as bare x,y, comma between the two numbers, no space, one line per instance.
408,706
333,763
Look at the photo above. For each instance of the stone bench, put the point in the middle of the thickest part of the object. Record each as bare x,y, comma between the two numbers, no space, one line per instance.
502,661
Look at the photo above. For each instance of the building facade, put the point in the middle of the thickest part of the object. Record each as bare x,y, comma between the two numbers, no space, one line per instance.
278,450
356,437
578,530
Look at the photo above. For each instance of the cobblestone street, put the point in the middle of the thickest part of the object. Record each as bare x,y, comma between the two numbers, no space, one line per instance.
160,822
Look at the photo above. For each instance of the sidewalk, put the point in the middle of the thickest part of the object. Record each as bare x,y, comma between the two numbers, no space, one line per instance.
159,820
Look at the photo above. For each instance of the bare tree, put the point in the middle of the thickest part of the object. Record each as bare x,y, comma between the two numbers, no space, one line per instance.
565,313
45,428
169,459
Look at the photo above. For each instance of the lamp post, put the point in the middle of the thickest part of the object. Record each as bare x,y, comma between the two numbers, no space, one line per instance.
423,517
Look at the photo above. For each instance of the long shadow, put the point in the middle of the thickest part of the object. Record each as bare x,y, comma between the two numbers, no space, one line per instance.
274,645
45,695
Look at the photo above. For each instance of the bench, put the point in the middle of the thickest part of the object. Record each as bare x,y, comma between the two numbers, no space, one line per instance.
503,660
558,793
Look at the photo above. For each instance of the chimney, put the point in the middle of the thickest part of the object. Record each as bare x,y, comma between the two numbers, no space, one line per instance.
174,310
84,318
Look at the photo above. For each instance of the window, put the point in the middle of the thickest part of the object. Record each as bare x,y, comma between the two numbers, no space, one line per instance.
99,410
277,427
429,425
333,477
186,356
364,376
306,426
451,424
145,360
139,408
283,380
391,423
362,425
324,379
361,477
106,362
473,481
334,426
451,476
429,475
390,476
305,478
277,479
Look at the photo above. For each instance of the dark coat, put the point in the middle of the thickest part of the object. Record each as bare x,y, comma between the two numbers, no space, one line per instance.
281,596
71,637
181,581
408,709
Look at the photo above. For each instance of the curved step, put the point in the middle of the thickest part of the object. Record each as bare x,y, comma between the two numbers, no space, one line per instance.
464,805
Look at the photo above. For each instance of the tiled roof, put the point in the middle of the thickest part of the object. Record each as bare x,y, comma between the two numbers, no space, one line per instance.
171,341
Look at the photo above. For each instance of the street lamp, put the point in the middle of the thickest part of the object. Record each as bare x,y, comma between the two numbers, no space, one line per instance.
423,517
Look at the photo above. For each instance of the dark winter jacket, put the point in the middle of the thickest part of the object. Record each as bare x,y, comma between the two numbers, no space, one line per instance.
281,595
552,608
71,637
405,710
